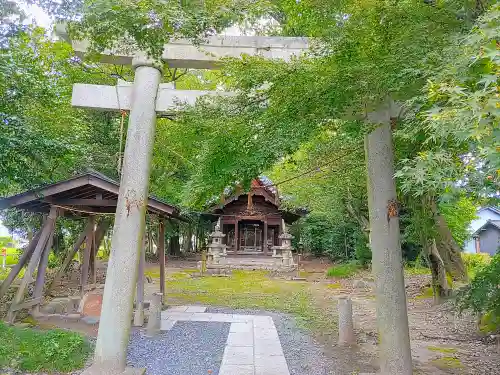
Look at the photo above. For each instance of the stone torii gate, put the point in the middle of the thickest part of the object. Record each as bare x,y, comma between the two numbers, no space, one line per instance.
145,98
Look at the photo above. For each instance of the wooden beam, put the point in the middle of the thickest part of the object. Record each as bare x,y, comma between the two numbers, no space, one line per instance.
27,304
161,255
86,257
82,202
67,261
20,264
40,246
42,270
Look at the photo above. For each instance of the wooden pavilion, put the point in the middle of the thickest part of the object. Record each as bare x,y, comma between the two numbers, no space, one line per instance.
252,221
89,196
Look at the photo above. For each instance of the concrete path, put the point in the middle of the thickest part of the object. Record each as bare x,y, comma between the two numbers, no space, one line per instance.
252,347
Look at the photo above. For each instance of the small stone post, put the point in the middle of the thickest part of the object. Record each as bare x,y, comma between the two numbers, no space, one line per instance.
346,325
126,244
154,317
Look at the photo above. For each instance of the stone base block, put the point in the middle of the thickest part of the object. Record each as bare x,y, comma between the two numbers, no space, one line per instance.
98,370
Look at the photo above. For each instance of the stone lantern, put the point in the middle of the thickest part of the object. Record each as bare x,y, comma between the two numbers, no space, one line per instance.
216,249
283,254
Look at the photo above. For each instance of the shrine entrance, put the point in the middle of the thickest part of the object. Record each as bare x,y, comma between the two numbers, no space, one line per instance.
251,237
251,220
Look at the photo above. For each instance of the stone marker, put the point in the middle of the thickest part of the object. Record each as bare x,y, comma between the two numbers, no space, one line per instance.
346,325
154,318
91,304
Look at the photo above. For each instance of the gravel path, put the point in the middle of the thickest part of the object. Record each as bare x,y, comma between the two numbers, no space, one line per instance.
191,348
303,355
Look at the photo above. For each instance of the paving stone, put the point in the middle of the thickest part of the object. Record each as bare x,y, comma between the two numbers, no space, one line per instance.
176,315
242,318
221,317
167,325
196,309
241,327
201,317
263,322
266,334
178,309
237,355
239,339
269,347
271,365
236,370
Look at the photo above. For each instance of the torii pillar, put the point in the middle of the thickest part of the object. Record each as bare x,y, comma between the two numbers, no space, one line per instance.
128,232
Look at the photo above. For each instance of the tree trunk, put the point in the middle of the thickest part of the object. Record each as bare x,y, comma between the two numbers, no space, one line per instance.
440,284
387,262
187,241
174,245
448,249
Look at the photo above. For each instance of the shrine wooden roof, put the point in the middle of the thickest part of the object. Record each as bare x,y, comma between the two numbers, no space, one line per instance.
82,195
259,188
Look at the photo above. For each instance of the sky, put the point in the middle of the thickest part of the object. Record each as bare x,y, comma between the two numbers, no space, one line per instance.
34,12
3,230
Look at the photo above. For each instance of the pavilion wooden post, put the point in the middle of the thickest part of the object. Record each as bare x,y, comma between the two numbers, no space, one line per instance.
18,267
139,297
69,257
264,241
93,256
98,236
161,255
42,270
86,255
237,234
28,275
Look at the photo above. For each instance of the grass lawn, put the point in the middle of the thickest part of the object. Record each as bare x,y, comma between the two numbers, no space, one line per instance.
342,271
31,350
255,290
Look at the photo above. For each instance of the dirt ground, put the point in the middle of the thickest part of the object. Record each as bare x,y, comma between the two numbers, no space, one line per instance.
442,341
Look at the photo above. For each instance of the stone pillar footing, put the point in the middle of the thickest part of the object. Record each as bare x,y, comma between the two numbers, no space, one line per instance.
154,319
139,315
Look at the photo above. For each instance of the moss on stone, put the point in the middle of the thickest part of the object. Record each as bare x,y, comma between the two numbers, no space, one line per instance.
442,350
447,362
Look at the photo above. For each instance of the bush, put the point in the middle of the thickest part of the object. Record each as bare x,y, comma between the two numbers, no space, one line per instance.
362,250
482,295
30,350
324,236
474,262
343,271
